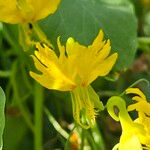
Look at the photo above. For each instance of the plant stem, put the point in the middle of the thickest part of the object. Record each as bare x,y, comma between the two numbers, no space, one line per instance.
136,83
145,40
38,108
41,35
5,74
144,44
97,136
82,139
25,113
55,124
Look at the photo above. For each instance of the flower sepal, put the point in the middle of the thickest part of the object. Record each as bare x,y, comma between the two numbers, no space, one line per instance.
86,105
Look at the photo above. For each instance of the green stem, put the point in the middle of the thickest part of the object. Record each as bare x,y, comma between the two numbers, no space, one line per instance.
41,35
144,44
97,136
136,83
91,141
107,93
82,139
25,113
38,108
4,74
55,124
145,40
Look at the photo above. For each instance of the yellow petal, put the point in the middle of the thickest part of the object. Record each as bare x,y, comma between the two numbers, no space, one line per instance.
104,52
78,63
9,12
98,39
52,76
60,47
91,61
26,11
141,106
137,98
52,83
43,8
62,57
46,55
103,68
132,107
74,48
136,91
130,142
98,42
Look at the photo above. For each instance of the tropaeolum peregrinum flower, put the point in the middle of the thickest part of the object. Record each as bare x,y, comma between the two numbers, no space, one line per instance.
134,136
76,67
26,11
142,106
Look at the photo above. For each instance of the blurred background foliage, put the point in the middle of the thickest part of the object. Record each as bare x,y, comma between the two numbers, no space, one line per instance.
125,23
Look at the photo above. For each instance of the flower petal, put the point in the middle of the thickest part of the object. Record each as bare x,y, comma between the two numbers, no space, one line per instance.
25,11
103,68
136,91
46,55
98,42
52,76
44,7
128,141
9,12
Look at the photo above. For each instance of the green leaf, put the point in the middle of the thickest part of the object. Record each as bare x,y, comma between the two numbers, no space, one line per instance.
16,133
2,116
82,20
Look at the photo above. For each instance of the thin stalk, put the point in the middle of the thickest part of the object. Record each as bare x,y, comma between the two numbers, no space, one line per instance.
144,44
12,41
136,83
82,139
145,40
97,136
38,115
40,34
5,74
91,141
24,112
107,93
55,124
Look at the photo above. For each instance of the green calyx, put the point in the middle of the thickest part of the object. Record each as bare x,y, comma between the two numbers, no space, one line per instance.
86,105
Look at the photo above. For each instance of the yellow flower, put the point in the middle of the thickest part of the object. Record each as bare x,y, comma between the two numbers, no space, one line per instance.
141,105
143,109
26,11
76,67
133,134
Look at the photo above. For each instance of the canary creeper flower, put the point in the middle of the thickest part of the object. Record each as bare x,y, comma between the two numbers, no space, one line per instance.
133,133
26,11
76,67
142,106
